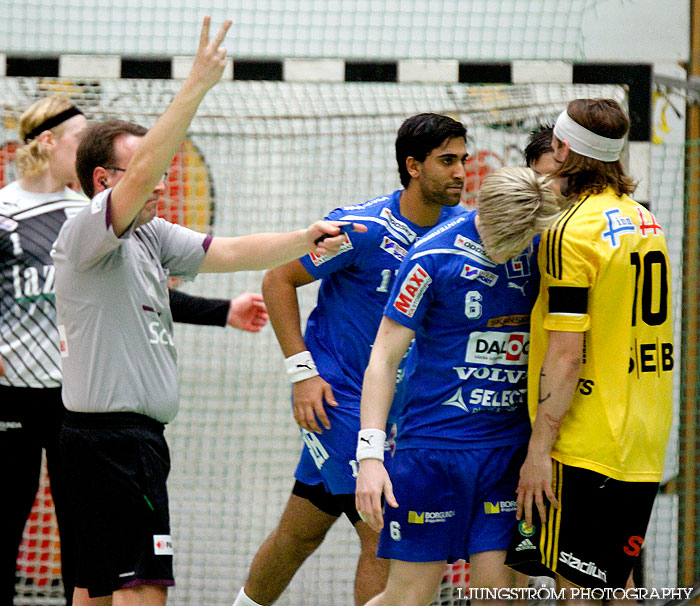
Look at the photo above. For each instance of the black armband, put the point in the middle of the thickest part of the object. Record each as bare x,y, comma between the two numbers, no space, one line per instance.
568,300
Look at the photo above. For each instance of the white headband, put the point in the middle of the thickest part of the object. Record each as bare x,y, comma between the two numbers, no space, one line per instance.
587,143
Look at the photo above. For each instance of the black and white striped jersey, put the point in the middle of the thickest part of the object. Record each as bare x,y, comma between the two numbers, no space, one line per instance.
29,225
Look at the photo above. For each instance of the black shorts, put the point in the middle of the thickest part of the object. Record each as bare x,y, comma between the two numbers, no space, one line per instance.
594,538
117,465
332,504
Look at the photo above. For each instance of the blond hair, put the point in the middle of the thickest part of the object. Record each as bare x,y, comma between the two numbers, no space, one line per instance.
515,204
32,159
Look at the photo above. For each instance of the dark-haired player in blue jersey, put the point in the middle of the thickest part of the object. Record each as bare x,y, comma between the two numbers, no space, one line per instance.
463,428
327,363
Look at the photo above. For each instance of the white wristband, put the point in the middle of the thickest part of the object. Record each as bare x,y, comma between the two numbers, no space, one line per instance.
300,366
370,444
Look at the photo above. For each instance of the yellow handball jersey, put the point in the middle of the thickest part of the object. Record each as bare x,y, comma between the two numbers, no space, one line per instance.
605,272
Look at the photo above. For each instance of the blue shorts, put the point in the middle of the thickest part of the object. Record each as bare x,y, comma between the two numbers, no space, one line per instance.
452,503
329,457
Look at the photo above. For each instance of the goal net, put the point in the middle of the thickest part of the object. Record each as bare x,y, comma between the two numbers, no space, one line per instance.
266,156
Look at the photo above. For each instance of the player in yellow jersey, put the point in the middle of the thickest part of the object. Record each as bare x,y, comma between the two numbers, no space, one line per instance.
600,367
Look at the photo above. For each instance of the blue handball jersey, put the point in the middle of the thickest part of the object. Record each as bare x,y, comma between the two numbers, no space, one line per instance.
466,375
355,286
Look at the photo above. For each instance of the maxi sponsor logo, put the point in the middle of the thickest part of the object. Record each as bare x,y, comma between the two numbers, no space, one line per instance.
510,348
412,290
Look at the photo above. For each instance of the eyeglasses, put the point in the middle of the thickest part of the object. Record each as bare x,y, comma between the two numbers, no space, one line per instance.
166,174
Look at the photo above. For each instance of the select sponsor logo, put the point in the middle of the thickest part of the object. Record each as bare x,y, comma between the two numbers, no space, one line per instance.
393,248
499,507
399,227
429,517
481,275
509,348
456,400
412,290
162,544
321,259
504,398
589,568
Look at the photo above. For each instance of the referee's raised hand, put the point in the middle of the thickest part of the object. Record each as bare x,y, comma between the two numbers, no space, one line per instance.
210,61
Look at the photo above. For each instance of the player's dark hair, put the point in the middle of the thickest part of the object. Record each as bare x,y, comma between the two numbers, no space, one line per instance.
97,149
586,175
538,143
421,134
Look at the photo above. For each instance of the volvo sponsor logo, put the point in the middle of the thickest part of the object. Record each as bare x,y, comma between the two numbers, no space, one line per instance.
509,348
490,373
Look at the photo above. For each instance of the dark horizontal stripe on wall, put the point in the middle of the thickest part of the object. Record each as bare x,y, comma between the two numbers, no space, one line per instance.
485,73
32,66
152,69
371,71
253,69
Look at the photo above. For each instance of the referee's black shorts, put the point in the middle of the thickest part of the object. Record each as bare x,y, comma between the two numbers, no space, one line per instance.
116,466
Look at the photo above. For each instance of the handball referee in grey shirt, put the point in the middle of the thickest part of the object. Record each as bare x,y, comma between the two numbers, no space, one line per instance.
119,362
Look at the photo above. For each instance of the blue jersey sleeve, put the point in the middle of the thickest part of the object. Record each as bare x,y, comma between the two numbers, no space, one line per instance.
413,291
321,266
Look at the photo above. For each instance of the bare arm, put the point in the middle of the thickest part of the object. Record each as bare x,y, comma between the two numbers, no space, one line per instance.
155,153
266,250
558,380
280,293
378,389
279,289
